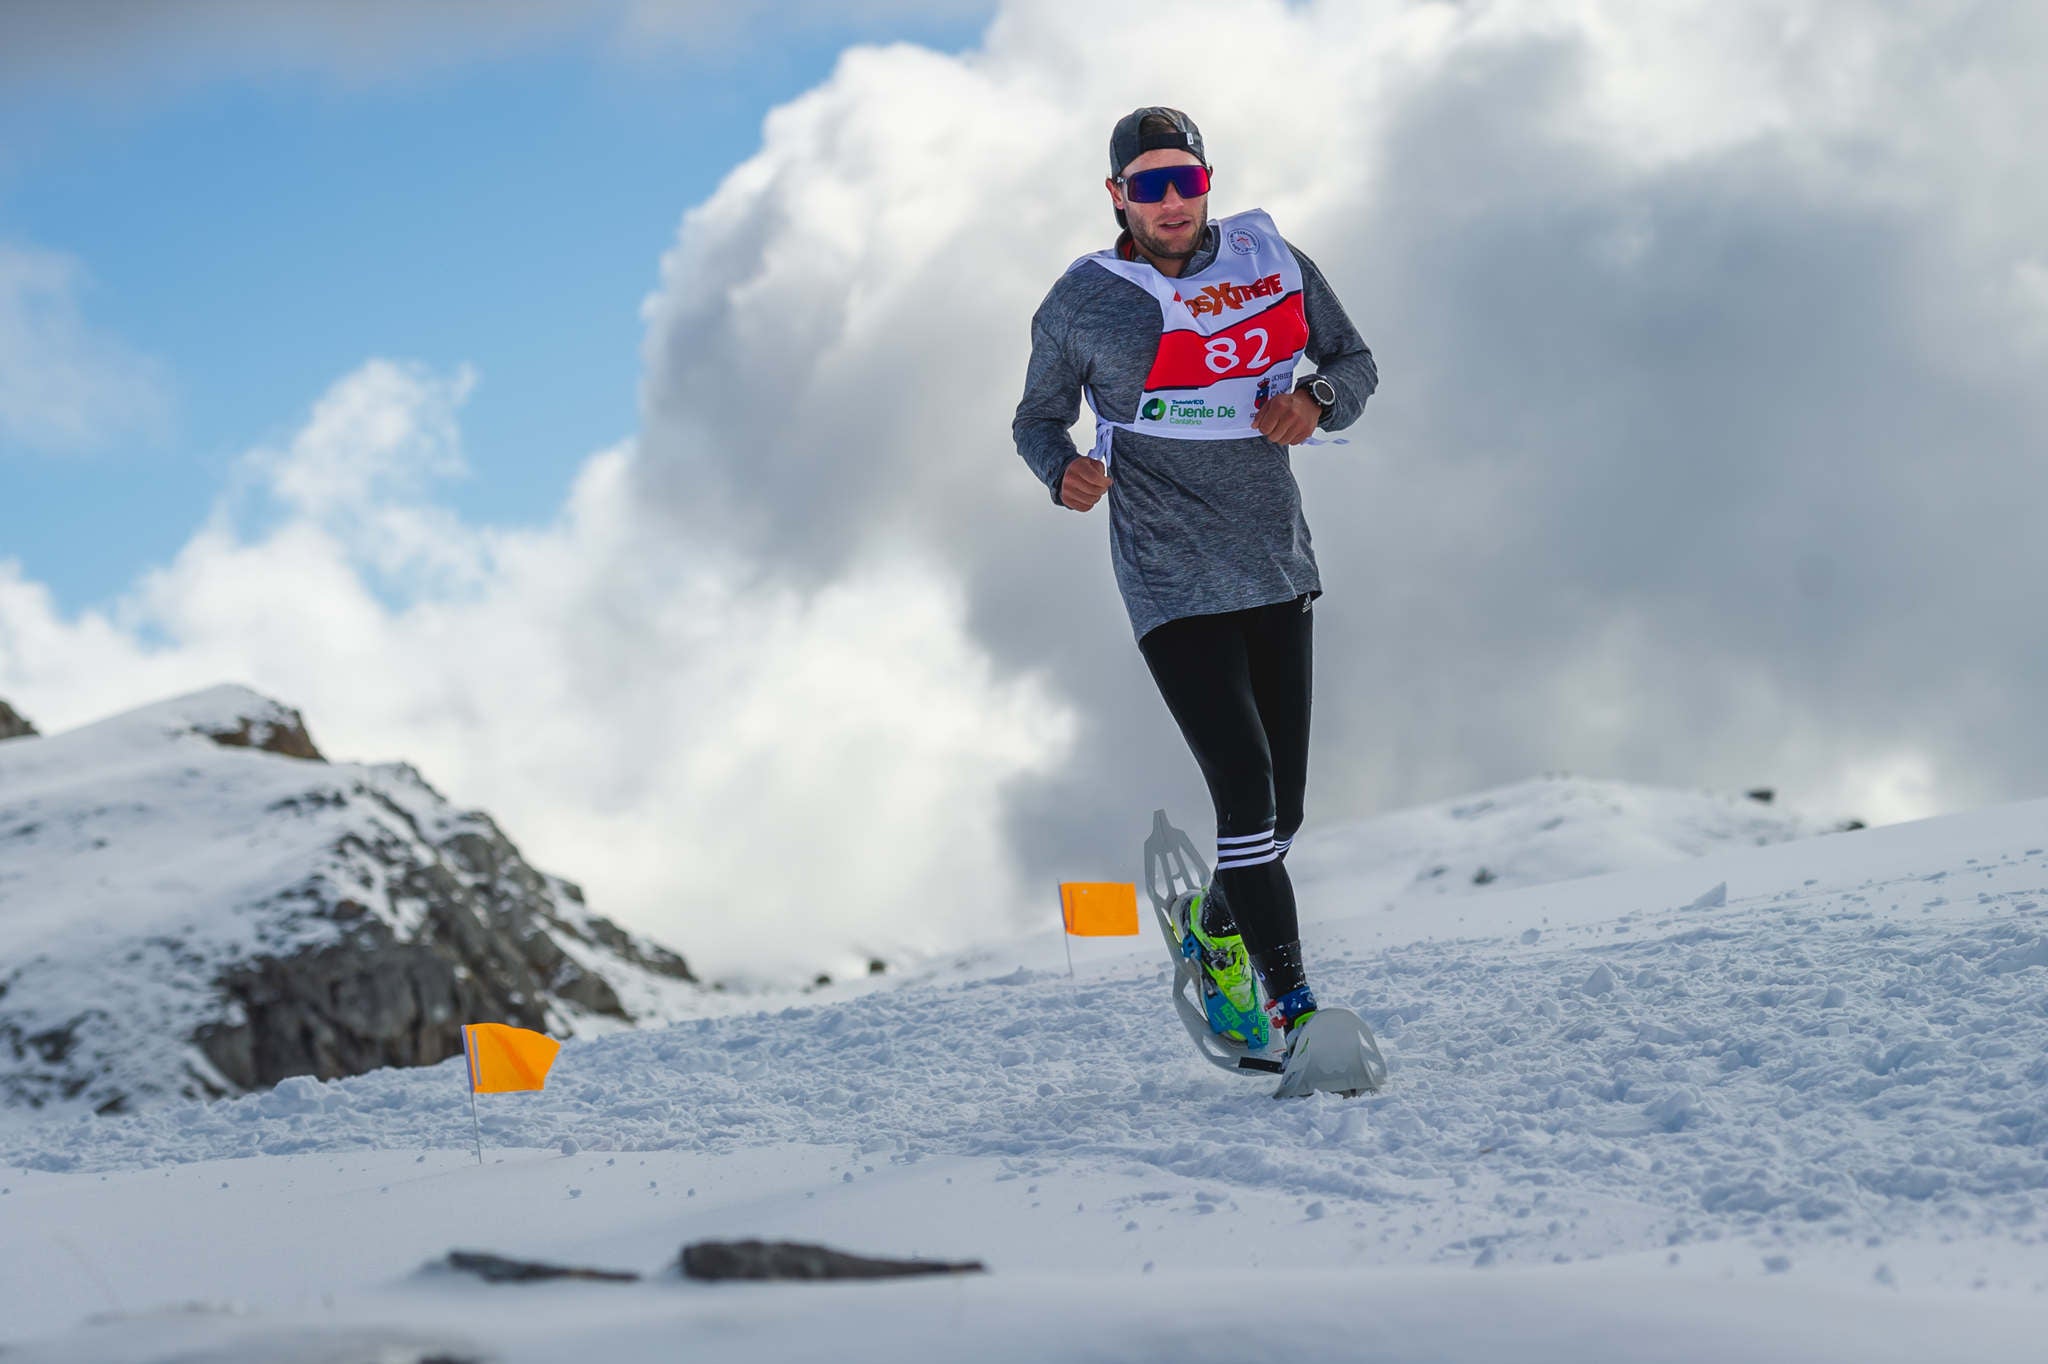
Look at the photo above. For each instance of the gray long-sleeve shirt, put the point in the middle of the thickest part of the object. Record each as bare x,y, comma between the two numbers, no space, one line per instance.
1195,527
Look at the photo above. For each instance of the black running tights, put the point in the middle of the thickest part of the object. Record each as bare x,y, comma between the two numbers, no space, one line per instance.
1239,687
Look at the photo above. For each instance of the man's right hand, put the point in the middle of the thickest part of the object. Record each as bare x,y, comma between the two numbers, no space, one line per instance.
1085,482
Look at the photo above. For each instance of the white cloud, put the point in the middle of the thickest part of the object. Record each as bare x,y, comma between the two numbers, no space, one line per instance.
1674,303
65,386
1708,453
385,432
773,780
364,463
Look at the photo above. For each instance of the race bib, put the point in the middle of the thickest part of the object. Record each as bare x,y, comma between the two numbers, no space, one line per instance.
1229,337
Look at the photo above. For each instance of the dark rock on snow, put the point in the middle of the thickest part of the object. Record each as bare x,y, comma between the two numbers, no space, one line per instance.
493,943
285,735
718,1261
498,1269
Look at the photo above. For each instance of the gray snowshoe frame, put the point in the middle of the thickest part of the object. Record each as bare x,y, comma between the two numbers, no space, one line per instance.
1172,869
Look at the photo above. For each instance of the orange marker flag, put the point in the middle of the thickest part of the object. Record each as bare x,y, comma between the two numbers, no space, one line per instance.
504,1058
1099,909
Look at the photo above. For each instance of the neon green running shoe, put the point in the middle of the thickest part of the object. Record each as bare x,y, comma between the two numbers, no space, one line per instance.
1230,991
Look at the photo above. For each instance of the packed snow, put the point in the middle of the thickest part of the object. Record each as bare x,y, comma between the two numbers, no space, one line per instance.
1778,1102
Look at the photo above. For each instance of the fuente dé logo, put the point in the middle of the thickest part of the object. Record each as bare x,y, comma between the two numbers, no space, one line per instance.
1181,413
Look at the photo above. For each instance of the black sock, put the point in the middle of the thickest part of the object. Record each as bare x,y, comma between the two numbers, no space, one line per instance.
1261,901
1280,967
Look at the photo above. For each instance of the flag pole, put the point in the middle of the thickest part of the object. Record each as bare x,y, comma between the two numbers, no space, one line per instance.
469,1069
1066,938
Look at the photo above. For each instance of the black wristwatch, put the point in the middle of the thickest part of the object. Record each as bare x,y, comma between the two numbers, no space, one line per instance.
1323,391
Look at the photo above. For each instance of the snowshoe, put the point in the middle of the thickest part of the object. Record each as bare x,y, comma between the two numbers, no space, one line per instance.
1331,1051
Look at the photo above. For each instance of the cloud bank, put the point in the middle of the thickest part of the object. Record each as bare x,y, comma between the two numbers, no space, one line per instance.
1709,436
777,781
1709,452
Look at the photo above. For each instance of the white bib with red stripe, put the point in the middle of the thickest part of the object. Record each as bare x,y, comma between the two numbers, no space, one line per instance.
1229,337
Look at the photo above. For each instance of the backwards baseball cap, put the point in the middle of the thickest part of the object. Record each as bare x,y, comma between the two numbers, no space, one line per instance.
1150,129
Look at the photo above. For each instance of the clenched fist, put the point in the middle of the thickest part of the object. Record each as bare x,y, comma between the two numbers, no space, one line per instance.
1289,419
1085,482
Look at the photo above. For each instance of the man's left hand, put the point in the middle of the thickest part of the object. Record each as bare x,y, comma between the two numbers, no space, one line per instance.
1289,419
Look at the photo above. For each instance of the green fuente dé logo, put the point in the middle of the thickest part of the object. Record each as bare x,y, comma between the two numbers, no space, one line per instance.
1181,412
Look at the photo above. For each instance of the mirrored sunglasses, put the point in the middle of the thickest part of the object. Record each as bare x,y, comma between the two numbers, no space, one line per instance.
1149,186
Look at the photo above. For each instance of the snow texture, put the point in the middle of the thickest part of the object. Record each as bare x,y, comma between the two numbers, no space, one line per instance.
1783,1102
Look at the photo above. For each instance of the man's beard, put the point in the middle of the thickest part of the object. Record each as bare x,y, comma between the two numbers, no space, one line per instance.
1157,249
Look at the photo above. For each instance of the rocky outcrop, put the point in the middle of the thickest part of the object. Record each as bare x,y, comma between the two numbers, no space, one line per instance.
496,940
282,734
13,724
202,922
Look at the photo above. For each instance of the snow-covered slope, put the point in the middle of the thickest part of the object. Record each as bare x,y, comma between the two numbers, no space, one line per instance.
193,903
1772,1103
1548,829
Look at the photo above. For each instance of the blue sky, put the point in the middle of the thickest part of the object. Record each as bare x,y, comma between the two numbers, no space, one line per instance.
259,234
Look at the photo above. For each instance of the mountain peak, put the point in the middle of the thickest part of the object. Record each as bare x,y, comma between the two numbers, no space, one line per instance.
231,715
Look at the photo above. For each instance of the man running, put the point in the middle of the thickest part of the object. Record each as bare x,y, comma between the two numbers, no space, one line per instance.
1184,339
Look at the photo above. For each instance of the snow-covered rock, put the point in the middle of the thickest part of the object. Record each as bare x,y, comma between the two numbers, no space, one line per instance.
13,724
193,902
